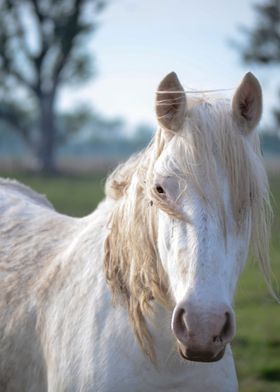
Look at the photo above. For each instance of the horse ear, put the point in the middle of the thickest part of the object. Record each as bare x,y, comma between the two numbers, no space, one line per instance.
247,102
171,103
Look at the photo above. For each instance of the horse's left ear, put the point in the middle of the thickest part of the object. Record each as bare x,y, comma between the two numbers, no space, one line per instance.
247,103
171,103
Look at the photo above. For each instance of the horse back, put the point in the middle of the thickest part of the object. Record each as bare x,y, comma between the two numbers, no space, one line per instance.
33,237
9,188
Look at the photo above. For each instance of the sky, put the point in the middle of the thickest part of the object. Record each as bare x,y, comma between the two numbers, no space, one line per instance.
140,41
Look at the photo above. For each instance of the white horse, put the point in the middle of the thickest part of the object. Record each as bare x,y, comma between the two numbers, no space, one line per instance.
138,295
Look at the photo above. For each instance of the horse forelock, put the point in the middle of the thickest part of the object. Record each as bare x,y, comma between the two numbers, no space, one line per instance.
132,265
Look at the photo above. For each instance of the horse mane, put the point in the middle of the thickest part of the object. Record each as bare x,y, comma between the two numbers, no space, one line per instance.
132,264
26,191
134,273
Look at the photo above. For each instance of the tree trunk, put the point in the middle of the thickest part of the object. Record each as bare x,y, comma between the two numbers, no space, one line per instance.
47,134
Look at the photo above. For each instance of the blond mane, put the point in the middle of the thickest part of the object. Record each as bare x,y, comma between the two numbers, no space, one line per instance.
132,265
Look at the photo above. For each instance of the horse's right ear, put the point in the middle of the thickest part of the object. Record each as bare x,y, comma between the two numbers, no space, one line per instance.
171,103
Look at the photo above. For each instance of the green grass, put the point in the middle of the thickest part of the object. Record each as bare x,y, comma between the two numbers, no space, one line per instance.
257,344
72,195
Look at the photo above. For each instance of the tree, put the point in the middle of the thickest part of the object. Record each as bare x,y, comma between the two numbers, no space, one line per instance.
41,49
263,44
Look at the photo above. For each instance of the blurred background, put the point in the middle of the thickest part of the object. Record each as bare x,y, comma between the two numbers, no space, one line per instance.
77,86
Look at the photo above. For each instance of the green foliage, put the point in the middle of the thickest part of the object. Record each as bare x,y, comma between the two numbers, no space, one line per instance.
262,45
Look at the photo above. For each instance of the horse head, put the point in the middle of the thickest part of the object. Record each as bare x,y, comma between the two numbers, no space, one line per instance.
208,185
186,211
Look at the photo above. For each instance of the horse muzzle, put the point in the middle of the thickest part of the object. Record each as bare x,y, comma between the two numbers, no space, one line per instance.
202,336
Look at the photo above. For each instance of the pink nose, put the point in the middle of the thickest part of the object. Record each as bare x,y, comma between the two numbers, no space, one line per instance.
203,334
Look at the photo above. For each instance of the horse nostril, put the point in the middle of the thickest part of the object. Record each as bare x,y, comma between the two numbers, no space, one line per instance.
217,339
180,320
227,326
226,331
179,325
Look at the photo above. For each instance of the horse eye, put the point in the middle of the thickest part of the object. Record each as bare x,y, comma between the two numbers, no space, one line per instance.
159,189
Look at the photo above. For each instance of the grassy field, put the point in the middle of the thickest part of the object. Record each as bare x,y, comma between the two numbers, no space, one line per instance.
257,344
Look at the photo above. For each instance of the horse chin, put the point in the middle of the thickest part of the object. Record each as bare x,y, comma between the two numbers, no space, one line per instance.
206,356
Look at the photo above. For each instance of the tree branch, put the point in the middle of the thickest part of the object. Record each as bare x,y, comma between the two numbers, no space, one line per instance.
8,36
9,67
19,32
71,29
45,43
